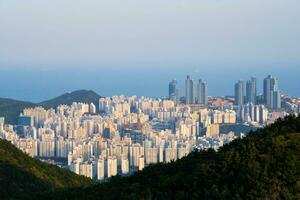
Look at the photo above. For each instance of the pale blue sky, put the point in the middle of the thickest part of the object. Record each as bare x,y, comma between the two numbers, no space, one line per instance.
237,32
197,37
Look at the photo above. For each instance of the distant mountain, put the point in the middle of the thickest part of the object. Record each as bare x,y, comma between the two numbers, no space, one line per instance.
264,165
22,177
10,108
85,96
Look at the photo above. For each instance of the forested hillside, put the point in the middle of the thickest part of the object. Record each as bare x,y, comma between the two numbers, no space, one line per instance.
24,177
264,165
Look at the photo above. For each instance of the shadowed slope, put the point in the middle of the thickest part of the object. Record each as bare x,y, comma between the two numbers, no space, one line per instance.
264,165
23,176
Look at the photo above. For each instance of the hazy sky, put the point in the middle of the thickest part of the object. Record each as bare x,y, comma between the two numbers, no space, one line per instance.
203,36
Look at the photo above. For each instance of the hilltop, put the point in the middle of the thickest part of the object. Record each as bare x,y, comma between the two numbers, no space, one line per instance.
10,108
84,96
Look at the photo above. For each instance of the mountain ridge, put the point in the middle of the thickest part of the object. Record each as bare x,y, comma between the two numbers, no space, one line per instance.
85,96
11,108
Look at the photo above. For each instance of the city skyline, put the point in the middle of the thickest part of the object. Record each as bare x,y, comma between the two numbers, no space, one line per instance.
125,134
66,45
138,99
120,135
56,82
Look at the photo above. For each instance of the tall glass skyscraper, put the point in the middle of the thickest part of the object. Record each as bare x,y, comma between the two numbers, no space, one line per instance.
272,97
251,91
195,92
239,93
201,92
174,91
189,91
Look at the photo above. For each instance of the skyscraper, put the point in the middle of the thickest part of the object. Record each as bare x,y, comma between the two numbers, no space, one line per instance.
189,91
201,92
174,91
272,97
276,99
239,93
251,91
195,92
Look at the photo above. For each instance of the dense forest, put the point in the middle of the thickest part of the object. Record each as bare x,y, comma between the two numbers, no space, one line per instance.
263,165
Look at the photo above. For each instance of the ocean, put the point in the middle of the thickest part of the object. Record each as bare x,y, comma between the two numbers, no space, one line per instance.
38,84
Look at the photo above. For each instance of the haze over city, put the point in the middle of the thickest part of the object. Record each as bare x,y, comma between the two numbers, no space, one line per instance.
109,46
159,99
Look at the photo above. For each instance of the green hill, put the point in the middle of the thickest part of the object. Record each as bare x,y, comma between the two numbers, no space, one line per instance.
10,109
264,165
23,177
85,96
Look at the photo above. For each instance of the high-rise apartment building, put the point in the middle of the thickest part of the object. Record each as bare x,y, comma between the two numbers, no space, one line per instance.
124,165
100,169
251,91
189,91
272,97
201,92
239,93
92,108
263,114
112,167
195,92
174,91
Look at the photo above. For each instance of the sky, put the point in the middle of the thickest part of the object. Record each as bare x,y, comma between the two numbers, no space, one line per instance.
138,46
